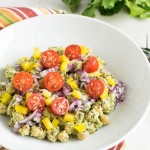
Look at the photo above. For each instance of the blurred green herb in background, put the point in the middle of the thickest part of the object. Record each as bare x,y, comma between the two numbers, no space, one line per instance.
136,8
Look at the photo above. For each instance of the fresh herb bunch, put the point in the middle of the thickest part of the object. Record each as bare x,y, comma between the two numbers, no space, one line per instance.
136,8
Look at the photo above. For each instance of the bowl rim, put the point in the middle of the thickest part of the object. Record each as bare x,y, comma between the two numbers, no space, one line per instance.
20,23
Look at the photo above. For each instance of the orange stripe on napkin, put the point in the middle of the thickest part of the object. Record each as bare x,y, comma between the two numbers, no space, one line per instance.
3,22
10,14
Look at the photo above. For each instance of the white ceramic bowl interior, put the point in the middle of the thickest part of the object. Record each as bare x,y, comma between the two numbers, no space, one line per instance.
123,57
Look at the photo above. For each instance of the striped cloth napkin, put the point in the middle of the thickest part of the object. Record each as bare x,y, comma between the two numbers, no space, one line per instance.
10,15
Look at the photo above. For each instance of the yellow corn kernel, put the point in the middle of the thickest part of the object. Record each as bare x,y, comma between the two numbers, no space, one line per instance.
69,117
36,53
76,94
63,58
79,127
110,80
6,97
105,93
72,83
46,93
64,66
21,109
55,122
95,74
48,101
47,123
84,50
27,66
23,59
27,95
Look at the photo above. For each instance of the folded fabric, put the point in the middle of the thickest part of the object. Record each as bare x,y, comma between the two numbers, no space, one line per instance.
10,15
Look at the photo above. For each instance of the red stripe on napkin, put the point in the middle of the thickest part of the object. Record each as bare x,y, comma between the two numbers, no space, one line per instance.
29,12
18,13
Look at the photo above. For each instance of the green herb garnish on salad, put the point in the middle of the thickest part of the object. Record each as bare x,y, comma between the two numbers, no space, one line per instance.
59,93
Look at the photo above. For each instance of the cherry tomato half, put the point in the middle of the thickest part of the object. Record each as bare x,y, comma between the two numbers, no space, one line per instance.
53,81
59,106
50,59
95,88
91,64
73,52
23,81
35,102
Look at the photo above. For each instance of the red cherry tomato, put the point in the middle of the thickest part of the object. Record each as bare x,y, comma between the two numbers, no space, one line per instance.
23,81
53,81
50,59
35,102
95,88
59,106
73,52
91,64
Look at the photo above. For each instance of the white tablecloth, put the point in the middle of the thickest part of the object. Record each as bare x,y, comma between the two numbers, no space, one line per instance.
137,29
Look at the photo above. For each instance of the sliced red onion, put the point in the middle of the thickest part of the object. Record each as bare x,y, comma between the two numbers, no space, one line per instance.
83,85
119,91
52,70
66,89
71,67
30,123
37,119
17,67
92,100
36,76
43,73
38,116
36,82
17,100
16,127
60,94
28,118
84,77
75,104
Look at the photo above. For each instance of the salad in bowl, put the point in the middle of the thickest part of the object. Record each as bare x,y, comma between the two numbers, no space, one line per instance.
59,93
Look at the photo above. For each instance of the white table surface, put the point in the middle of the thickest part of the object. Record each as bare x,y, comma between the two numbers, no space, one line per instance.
137,29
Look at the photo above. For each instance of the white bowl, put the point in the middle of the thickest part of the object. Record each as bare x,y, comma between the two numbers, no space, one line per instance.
123,57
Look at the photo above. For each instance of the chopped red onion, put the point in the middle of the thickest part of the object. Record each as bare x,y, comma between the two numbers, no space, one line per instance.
71,67
30,123
43,73
60,94
16,127
119,91
17,100
28,118
92,100
36,82
84,77
66,89
36,76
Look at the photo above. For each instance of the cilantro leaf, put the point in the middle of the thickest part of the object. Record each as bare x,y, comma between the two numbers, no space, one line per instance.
138,9
109,12
90,10
108,4
72,4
